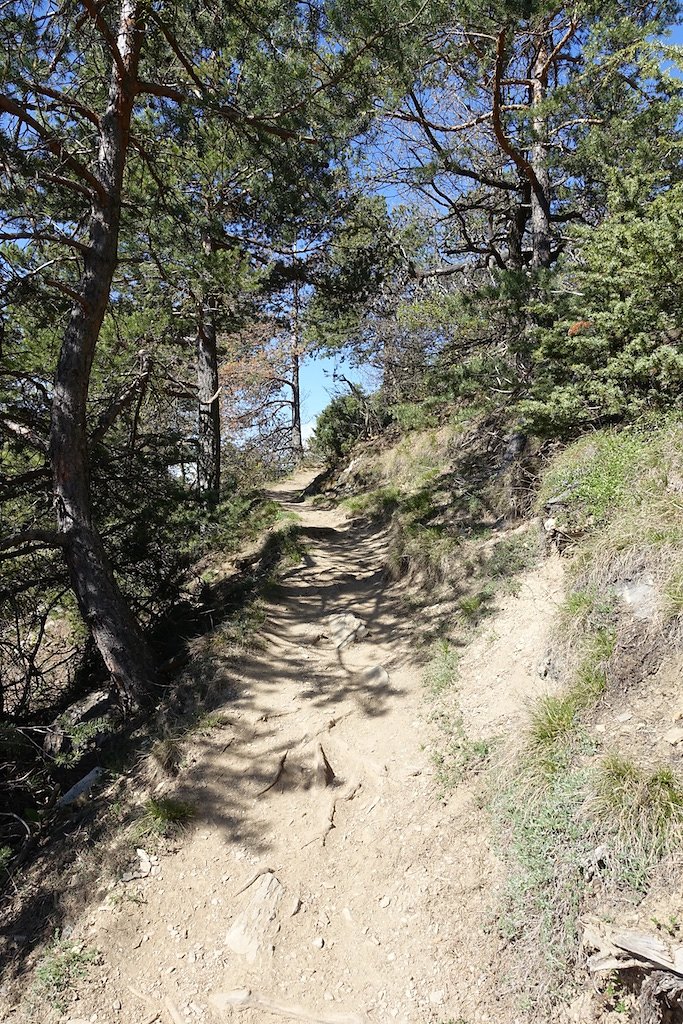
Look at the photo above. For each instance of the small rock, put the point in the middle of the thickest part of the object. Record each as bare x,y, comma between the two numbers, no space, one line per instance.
674,736
436,997
626,716
600,728
319,942
329,997
294,907
116,1005
385,901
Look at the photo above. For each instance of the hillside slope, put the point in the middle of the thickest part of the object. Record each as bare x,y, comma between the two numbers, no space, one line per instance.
429,780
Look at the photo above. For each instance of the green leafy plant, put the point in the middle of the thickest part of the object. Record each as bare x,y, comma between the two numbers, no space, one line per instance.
64,963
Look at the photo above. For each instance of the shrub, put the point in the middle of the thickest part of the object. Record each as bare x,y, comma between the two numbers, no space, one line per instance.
346,420
613,351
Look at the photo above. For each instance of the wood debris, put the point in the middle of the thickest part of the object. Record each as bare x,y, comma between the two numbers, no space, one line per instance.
659,959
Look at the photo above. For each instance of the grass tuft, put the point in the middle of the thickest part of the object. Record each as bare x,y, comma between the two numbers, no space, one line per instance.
168,753
552,719
62,966
162,816
378,504
673,595
474,607
442,671
643,811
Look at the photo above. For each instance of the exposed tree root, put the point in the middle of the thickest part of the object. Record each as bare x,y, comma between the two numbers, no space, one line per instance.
244,999
278,775
329,823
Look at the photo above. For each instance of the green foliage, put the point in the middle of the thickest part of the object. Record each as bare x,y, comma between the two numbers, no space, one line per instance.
378,504
65,963
545,842
239,633
441,672
511,556
345,421
595,475
475,606
415,415
162,816
614,350
459,757
554,718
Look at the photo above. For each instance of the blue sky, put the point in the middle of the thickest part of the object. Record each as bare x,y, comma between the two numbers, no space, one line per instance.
318,386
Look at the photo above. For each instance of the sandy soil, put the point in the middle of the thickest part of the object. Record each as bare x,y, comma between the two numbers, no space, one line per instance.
323,880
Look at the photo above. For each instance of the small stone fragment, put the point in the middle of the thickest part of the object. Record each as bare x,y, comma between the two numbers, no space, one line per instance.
318,942
294,907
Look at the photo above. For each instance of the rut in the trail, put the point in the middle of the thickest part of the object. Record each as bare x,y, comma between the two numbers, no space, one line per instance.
322,880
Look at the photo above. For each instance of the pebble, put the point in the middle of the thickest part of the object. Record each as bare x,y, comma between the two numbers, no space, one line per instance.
319,942
116,1005
385,901
674,736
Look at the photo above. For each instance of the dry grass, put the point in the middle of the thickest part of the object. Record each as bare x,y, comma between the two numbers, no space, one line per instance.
622,504
642,813
167,753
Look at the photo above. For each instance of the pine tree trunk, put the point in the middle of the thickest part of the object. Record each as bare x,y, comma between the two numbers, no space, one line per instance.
297,440
541,235
518,225
105,612
209,454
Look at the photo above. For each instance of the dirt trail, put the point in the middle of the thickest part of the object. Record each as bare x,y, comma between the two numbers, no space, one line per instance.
372,900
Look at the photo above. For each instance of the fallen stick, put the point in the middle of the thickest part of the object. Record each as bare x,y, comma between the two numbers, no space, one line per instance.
244,999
